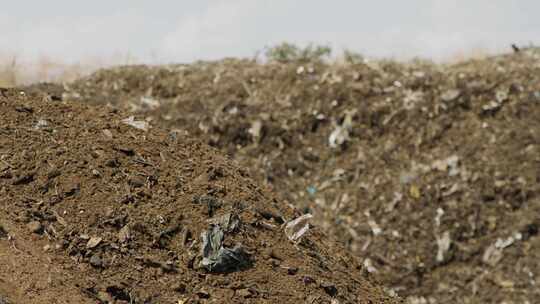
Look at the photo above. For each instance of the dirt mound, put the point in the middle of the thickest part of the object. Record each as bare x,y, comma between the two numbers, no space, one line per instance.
427,172
96,209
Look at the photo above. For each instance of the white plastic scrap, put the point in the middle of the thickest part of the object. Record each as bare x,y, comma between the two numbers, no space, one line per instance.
138,124
450,95
369,266
255,129
296,228
374,227
501,244
338,137
451,164
443,244
150,103
41,124
341,133
440,213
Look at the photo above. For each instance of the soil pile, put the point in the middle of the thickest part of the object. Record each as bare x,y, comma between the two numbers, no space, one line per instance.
100,207
427,172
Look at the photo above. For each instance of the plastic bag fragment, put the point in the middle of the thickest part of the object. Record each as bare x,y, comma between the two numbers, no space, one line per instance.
296,228
216,257
228,222
138,124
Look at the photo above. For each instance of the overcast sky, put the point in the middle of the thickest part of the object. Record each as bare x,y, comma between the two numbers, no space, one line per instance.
183,31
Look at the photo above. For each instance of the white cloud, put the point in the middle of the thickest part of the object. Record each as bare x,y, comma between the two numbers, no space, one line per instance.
211,29
224,28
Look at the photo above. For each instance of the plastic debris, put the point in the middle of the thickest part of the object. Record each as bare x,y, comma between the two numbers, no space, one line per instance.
296,228
492,255
41,123
374,227
341,133
93,242
503,243
216,257
228,222
255,129
443,244
149,103
368,264
450,95
138,124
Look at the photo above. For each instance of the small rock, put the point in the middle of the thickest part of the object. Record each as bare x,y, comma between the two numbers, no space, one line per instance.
292,270
243,293
96,261
450,95
203,294
112,163
180,288
308,280
53,173
104,297
124,234
136,181
3,232
329,288
35,227
93,242
108,134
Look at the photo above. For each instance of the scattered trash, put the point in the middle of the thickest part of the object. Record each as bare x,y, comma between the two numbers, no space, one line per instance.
93,242
229,222
443,244
368,264
449,164
4,300
41,123
149,103
124,235
375,229
341,133
35,227
138,124
492,255
296,228
503,243
450,95
255,129
217,258
440,213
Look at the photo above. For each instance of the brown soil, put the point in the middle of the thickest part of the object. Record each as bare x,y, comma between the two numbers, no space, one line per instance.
436,187
94,210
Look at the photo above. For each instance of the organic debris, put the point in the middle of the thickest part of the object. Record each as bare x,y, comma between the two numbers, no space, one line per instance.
128,233
459,143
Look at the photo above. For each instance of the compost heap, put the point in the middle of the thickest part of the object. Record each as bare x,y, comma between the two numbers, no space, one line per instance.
97,206
427,172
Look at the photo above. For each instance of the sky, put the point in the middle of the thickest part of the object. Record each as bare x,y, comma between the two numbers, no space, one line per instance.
185,31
